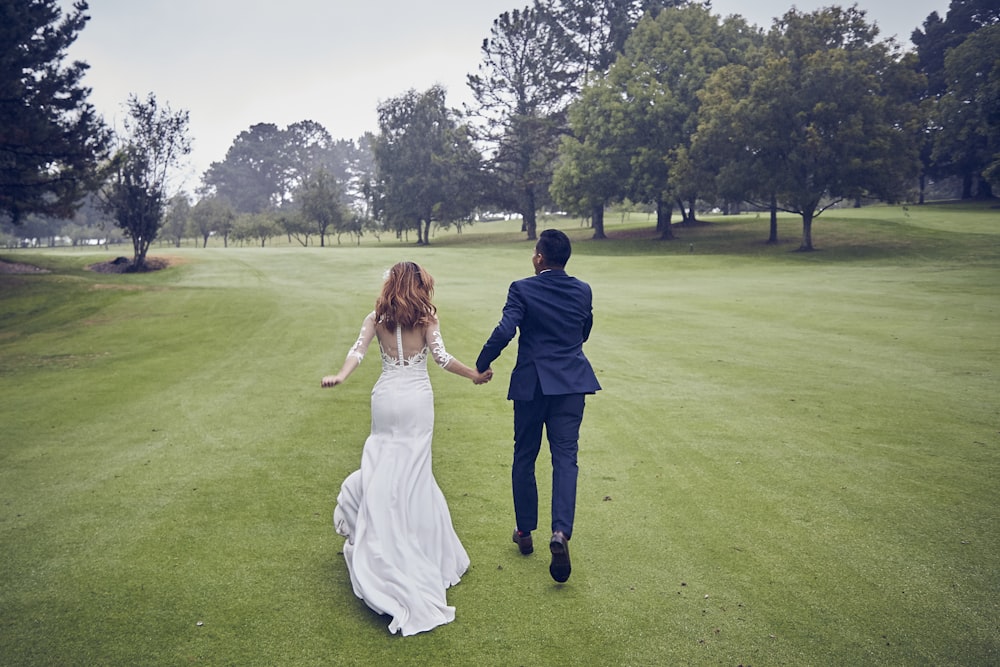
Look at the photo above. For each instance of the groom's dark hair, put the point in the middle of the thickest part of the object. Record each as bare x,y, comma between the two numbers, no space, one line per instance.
554,246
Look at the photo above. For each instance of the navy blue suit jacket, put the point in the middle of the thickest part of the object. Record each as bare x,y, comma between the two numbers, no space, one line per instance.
554,313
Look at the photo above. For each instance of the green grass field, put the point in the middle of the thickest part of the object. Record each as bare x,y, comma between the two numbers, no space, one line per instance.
795,459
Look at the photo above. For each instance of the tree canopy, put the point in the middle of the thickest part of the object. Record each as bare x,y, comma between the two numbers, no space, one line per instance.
957,138
266,166
252,176
51,139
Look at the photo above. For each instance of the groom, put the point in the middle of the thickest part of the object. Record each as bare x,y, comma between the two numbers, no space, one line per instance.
550,379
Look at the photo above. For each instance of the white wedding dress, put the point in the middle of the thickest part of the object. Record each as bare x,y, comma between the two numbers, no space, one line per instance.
401,550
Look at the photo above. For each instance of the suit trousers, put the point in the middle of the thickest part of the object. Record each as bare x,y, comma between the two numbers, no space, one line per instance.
561,416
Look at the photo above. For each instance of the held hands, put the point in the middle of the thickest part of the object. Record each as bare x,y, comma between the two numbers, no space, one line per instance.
476,377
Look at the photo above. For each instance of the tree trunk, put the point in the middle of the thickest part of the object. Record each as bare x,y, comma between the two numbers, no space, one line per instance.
923,187
807,223
597,214
983,189
967,186
529,217
772,237
140,247
691,214
684,215
664,211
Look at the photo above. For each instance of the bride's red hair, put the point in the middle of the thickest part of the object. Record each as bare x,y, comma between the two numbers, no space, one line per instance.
406,297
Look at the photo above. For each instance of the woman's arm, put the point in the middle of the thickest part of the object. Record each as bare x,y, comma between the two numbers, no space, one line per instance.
355,354
446,361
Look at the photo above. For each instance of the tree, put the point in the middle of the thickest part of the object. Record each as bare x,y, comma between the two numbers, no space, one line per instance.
947,152
969,110
524,83
599,29
591,170
828,114
319,201
740,142
630,126
296,226
938,36
266,166
305,148
693,175
252,176
212,214
364,185
177,219
426,163
153,143
51,139
308,148
256,227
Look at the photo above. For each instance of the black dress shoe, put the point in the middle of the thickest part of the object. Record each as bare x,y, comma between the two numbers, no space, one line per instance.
523,542
559,568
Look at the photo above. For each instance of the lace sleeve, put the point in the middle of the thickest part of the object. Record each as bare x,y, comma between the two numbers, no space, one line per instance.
360,346
436,345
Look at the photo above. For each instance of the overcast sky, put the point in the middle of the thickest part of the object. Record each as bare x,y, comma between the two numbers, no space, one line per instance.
235,63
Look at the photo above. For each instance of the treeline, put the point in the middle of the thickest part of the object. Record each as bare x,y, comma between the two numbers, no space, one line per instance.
581,105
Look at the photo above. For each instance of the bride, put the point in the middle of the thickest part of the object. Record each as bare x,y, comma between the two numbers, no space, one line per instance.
402,551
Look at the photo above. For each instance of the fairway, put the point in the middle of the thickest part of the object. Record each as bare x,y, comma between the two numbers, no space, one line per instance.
794,460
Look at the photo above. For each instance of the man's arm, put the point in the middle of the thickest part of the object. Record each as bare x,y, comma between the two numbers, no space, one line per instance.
588,323
513,312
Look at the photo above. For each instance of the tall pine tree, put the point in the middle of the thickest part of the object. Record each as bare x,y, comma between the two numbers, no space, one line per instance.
51,138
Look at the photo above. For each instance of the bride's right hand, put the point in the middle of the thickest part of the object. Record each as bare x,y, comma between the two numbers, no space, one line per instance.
332,380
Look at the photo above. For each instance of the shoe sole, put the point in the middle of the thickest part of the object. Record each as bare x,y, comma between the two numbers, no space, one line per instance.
560,567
